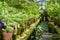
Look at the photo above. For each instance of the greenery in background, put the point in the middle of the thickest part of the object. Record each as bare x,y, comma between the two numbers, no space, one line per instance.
54,1
53,9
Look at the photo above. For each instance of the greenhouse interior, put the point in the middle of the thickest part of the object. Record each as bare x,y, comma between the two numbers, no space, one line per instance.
29,19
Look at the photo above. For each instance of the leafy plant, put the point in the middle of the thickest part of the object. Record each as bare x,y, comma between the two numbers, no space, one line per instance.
12,16
53,9
8,29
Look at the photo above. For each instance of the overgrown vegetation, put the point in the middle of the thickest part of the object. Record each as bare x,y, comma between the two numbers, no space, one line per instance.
12,16
19,15
22,13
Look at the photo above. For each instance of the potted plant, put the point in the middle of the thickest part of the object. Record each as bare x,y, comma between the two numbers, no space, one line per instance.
7,33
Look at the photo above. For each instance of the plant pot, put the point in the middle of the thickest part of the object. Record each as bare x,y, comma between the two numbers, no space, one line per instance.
7,35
